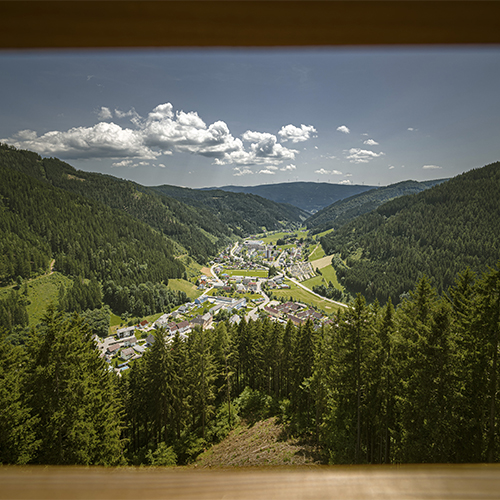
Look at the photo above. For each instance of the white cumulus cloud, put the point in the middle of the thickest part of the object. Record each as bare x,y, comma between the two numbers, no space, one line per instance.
296,134
165,131
104,114
357,155
370,142
238,171
103,140
431,167
288,167
343,129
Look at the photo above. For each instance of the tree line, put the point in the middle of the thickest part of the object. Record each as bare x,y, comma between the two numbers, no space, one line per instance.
412,384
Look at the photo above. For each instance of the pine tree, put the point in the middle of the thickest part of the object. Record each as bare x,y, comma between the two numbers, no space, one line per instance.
387,381
72,395
471,412
202,376
18,442
303,361
489,326
427,395
160,379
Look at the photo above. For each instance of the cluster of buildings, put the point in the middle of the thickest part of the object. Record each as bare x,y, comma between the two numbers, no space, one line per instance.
277,283
129,343
257,248
124,346
295,312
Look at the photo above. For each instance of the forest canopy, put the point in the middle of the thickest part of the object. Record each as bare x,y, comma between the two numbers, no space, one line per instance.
438,232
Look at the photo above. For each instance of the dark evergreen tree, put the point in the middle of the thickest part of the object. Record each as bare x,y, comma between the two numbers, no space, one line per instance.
426,398
72,395
18,443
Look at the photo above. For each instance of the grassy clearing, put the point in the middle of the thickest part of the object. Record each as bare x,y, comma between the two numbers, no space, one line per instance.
327,274
193,269
287,247
318,253
114,322
261,444
273,238
269,238
324,233
300,295
42,292
185,286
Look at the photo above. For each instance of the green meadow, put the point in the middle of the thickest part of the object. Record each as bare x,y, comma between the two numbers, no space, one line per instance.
42,292
300,295
327,274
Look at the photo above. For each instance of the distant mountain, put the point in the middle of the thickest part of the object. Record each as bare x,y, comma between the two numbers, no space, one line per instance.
309,196
438,232
342,211
243,213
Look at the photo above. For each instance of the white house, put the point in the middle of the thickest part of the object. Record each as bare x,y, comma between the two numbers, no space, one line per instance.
125,332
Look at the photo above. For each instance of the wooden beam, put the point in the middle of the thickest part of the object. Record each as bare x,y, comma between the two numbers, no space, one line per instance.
92,24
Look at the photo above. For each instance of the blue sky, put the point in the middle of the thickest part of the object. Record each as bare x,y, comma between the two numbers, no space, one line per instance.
201,118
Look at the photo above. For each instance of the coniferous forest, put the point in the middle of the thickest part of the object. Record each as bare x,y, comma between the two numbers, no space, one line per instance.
416,384
408,373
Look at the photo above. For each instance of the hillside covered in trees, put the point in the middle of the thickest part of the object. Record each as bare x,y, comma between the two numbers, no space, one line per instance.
414,385
437,233
343,211
175,220
201,228
243,213
88,241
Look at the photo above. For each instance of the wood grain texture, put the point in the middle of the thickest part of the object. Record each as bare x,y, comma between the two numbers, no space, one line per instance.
79,24
346,483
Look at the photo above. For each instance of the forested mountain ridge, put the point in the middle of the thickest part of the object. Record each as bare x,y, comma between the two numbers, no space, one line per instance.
201,224
309,196
438,232
86,238
112,258
342,211
244,213
167,215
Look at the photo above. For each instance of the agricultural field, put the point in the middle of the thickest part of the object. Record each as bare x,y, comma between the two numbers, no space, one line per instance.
327,274
316,254
258,273
322,262
298,294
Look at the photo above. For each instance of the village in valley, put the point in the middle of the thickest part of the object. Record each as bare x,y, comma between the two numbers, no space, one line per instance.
251,279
